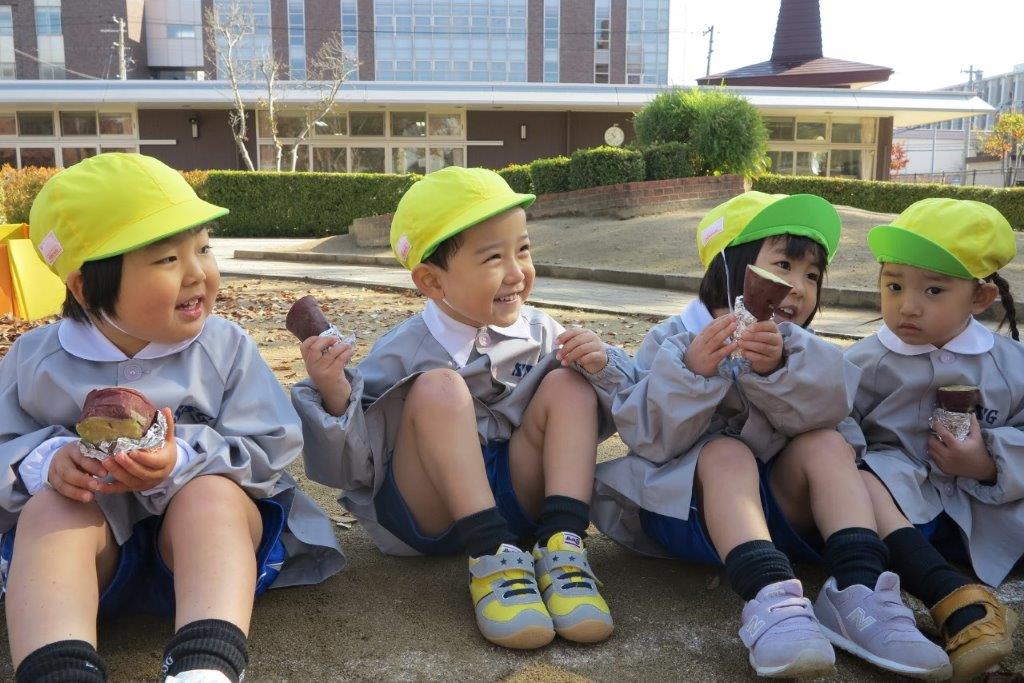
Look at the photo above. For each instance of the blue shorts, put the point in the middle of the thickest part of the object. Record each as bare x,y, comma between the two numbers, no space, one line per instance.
688,539
394,515
144,584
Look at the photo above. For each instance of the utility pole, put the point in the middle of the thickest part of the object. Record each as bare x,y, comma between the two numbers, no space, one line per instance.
709,31
970,71
121,59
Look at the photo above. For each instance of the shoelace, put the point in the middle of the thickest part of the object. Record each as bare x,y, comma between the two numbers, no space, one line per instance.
575,580
518,591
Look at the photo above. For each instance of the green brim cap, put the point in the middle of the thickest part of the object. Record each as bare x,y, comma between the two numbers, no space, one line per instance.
893,244
806,215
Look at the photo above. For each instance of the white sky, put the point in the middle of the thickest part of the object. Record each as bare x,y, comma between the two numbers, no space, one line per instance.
927,42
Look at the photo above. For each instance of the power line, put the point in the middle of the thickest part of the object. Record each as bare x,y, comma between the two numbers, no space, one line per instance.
59,66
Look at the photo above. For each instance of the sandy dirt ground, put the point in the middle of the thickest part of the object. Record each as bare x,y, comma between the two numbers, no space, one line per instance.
386,618
665,243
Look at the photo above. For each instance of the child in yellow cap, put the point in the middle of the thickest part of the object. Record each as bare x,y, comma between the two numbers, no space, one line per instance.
955,478
741,464
194,519
472,427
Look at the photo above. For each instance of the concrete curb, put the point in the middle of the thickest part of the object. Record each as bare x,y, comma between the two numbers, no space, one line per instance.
830,296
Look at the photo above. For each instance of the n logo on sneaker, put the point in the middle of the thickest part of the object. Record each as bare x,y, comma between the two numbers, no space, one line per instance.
859,619
754,626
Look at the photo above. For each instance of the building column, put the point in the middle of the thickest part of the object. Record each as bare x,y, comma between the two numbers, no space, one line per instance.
883,152
367,58
535,41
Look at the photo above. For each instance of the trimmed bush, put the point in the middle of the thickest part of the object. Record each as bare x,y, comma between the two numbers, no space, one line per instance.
518,178
605,165
550,175
668,160
197,179
19,188
271,204
889,197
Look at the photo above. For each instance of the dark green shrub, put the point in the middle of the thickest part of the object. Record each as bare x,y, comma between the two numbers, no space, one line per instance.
889,197
550,175
668,160
600,166
518,178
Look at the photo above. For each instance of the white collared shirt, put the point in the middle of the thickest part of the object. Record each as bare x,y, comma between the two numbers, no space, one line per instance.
85,341
459,339
696,316
975,339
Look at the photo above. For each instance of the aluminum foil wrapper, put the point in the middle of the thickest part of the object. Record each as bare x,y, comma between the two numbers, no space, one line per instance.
959,424
333,331
744,319
153,438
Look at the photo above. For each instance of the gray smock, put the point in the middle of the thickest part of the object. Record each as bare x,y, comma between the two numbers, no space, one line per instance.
668,416
894,400
502,370
232,417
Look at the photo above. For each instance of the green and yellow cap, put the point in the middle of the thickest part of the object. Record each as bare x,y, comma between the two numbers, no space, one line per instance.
445,203
956,237
111,204
755,215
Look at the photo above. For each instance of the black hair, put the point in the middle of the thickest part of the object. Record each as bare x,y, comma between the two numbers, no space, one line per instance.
713,290
1010,317
442,255
101,284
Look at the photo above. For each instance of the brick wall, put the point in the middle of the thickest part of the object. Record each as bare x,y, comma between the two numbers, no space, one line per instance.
635,199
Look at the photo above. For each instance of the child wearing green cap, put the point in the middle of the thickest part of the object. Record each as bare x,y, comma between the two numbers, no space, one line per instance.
737,461
952,478
472,427
194,520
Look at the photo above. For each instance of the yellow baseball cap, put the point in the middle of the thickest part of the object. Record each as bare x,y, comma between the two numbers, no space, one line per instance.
111,204
755,215
445,203
957,237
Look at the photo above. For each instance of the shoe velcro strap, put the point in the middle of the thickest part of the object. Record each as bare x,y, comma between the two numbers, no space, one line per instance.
563,559
759,624
972,594
502,562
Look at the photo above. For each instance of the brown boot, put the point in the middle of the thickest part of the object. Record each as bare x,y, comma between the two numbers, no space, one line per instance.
984,643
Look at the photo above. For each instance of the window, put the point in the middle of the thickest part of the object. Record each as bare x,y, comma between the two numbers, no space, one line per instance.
38,156
181,31
602,39
8,157
812,163
6,22
288,125
368,160
72,155
330,159
647,42
122,150
441,157
297,39
782,162
408,124
811,130
8,124
350,28
780,127
332,124
367,123
78,123
409,160
35,123
445,125
552,35
845,163
8,71
48,20
116,124
254,46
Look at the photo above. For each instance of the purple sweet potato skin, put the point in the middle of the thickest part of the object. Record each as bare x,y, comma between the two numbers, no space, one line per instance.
305,319
762,296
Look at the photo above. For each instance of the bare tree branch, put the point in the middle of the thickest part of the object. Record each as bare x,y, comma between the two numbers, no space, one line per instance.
224,30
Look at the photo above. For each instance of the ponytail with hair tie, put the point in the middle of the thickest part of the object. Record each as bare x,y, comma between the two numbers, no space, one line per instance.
1010,318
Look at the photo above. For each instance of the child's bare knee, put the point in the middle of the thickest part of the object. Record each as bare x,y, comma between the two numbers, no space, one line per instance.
567,387
48,510
726,459
821,448
438,389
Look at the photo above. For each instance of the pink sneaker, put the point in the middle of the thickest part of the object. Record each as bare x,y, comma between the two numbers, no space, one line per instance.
783,636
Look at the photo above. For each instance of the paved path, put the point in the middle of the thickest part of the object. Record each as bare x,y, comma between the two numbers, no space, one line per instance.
555,292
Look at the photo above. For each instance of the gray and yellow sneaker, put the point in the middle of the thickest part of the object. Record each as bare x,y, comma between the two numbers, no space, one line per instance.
508,605
570,591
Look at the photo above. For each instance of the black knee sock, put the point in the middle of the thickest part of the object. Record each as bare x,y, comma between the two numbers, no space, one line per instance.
855,555
482,532
67,660
927,575
561,513
753,565
207,644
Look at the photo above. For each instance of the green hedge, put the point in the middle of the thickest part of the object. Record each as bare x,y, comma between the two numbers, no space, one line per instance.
667,161
270,204
889,197
518,178
550,175
598,166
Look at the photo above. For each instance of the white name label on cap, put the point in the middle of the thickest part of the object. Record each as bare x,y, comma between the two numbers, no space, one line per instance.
712,230
50,248
403,248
